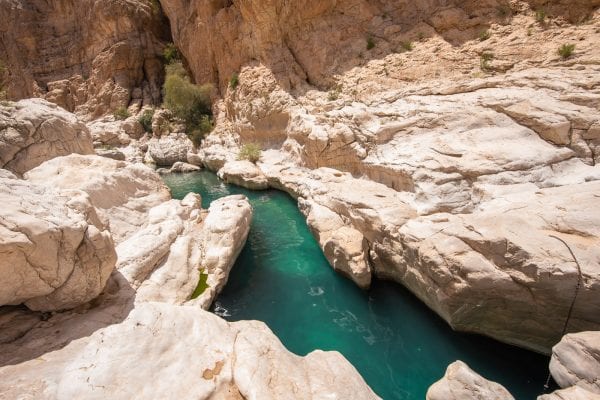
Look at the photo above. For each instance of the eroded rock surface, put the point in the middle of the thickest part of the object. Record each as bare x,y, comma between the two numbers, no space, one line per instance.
87,56
576,361
167,150
203,356
33,131
243,173
457,190
462,383
122,192
55,253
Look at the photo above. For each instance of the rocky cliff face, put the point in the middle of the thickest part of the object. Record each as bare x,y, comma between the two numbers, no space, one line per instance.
311,41
86,56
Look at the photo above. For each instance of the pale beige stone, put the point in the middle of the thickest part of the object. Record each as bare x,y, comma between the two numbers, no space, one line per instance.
572,393
55,253
576,361
122,192
243,173
203,356
462,383
33,131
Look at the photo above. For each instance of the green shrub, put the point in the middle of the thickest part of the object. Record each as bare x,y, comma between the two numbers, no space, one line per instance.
171,54
121,113
203,127
540,16
202,284
484,35
146,120
566,50
250,152
370,43
234,81
484,61
188,102
407,46
334,92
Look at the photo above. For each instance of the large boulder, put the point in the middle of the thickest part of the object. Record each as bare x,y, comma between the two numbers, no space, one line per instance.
167,150
188,353
54,252
122,192
576,361
33,131
462,383
224,234
243,173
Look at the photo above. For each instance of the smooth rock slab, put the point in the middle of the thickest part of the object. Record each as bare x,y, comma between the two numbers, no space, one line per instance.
54,252
34,130
576,361
163,351
462,383
122,192
224,235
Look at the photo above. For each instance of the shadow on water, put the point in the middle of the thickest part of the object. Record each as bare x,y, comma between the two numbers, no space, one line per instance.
398,345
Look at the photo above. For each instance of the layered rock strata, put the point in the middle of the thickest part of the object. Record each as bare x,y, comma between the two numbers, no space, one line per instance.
86,56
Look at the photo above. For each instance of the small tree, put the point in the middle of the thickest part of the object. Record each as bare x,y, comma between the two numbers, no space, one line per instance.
250,152
146,119
171,54
407,46
188,102
540,16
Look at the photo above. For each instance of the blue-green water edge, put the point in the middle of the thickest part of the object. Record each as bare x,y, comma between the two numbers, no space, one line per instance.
397,344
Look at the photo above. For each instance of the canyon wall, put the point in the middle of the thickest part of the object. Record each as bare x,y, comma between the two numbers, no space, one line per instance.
86,56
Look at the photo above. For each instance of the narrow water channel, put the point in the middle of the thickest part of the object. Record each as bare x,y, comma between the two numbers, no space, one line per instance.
397,344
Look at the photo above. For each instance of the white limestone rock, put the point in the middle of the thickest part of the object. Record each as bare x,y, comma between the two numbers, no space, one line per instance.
572,393
34,130
167,150
243,173
183,167
224,235
462,383
188,353
55,253
576,361
122,192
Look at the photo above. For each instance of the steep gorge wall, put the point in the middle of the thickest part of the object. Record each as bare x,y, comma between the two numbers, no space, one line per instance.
310,41
86,56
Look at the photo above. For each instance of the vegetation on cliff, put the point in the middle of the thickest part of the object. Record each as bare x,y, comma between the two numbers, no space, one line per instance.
188,102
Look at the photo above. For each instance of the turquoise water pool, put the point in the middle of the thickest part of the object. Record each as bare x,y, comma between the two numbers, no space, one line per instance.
397,344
